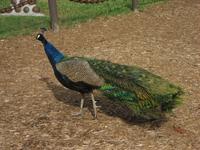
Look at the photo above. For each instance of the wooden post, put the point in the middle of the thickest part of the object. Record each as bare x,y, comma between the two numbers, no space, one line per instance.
53,15
135,5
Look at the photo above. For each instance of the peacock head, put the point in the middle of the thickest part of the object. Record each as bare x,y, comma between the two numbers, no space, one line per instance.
40,37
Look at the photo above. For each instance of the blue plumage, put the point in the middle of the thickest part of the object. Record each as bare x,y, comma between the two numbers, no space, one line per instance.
55,57
53,54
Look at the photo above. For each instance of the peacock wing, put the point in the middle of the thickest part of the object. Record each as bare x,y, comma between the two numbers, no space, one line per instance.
79,70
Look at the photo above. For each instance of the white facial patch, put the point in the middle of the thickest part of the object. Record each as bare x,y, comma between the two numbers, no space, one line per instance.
38,36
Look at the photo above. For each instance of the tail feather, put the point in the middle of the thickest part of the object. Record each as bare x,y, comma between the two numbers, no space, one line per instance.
139,90
121,85
129,98
118,75
144,93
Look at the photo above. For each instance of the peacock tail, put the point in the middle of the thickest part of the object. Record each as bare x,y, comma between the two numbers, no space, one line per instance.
139,90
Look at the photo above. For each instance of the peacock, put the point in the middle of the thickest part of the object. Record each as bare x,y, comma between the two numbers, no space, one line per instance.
137,89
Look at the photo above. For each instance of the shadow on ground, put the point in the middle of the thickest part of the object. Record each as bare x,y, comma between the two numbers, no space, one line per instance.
108,107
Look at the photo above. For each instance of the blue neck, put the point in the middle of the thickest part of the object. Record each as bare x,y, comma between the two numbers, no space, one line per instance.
53,54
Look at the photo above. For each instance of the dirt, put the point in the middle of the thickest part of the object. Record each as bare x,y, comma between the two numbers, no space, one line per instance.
35,110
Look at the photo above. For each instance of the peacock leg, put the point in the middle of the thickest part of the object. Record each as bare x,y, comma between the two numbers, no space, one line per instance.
82,102
81,107
94,105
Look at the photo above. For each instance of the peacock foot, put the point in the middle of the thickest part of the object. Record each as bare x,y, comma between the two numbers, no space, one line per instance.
77,114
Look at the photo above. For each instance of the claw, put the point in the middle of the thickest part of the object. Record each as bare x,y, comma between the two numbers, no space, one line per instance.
77,114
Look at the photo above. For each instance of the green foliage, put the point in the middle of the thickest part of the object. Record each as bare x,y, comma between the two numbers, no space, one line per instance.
145,3
12,25
4,3
70,13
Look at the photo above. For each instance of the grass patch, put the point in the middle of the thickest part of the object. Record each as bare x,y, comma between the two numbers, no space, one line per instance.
13,26
4,3
70,13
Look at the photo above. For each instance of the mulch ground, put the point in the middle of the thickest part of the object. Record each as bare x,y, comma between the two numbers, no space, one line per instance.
35,110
